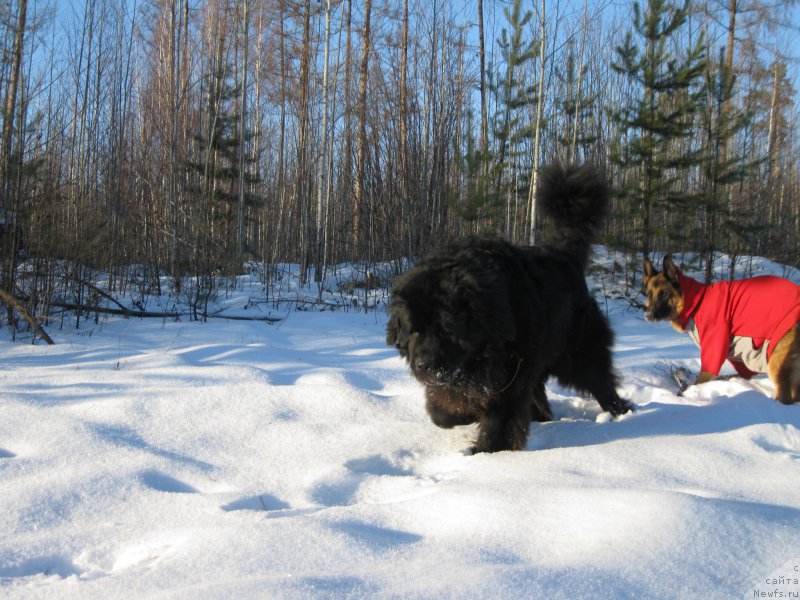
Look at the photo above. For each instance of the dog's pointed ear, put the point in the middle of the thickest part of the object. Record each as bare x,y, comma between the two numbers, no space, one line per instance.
671,271
648,269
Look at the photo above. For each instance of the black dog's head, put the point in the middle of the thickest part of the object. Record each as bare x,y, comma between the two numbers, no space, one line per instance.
664,295
443,318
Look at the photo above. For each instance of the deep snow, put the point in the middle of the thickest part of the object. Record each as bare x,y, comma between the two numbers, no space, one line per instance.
147,458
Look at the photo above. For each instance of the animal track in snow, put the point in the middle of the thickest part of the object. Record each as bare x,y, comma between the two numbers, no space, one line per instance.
375,536
162,482
375,465
786,443
147,552
261,502
338,491
379,479
47,566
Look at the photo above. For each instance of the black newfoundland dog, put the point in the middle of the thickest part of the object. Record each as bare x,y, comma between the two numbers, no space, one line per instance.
483,323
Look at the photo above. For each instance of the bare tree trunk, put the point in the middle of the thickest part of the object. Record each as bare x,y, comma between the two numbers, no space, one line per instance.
10,197
331,230
358,213
13,85
772,133
174,99
347,186
724,111
258,228
281,183
321,164
181,222
484,117
405,192
774,183
455,170
537,130
301,176
573,148
503,144
245,21
732,10
9,112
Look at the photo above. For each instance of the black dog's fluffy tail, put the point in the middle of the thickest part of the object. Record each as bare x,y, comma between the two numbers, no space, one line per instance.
574,202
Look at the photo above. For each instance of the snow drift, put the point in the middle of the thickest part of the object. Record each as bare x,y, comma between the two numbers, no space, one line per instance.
146,458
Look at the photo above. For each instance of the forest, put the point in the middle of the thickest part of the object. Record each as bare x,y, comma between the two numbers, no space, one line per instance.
164,144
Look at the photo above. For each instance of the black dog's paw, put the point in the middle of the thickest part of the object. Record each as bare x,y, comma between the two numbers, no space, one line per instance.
484,444
483,449
498,435
622,407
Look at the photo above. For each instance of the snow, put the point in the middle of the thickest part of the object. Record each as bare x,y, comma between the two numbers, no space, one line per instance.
154,458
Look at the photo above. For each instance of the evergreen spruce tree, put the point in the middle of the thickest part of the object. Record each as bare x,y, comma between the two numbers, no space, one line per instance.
669,90
512,125
214,168
477,204
217,173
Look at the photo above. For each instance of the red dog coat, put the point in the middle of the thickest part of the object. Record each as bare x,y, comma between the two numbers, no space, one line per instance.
761,308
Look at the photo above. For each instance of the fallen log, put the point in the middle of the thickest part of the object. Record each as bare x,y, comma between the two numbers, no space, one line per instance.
20,308
146,314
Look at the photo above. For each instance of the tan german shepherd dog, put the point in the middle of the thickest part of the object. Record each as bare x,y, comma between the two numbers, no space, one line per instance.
752,323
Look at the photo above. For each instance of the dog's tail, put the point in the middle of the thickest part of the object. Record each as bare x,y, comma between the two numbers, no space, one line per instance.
574,202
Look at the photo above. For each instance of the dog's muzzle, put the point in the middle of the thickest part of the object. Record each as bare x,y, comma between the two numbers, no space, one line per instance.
653,316
434,374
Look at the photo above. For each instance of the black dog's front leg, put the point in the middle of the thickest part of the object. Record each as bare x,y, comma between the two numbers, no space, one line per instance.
504,425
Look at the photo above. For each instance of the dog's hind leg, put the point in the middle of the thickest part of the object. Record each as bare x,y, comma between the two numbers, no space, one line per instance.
540,406
600,380
794,379
784,367
590,366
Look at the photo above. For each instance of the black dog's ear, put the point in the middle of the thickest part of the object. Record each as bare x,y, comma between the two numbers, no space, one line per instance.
671,271
391,331
397,311
648,269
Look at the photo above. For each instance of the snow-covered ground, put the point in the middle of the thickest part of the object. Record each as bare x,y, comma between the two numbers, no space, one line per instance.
236,459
